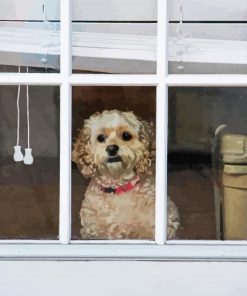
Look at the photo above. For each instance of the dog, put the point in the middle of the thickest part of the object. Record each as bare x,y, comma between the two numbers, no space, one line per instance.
117,151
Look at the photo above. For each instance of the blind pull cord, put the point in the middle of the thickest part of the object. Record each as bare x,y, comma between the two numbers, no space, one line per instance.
28,158
18,156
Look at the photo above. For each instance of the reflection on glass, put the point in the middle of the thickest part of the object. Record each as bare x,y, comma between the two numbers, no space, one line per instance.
113,178
119,38
101,51
29,191
207,161
34,44
206,49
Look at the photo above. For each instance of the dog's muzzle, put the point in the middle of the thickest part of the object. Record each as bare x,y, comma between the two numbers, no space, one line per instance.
112,151
114,159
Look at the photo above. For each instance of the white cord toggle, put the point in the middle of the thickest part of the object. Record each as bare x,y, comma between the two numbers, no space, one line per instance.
28,158
18,156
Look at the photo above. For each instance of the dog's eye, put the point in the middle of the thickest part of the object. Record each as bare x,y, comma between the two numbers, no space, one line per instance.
126,136
101,138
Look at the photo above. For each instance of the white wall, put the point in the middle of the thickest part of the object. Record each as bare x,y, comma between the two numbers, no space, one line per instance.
122,279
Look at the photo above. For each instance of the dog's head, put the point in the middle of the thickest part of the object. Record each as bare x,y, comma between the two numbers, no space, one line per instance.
114,143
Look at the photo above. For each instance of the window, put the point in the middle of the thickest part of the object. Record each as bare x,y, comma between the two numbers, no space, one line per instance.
96,62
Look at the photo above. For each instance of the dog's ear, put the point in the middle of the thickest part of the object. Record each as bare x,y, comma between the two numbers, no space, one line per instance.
82,152
147,137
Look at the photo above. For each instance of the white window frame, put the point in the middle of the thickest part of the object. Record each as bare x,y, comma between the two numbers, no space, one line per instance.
160,249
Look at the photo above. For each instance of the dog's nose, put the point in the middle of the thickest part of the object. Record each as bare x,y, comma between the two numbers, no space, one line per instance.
112,150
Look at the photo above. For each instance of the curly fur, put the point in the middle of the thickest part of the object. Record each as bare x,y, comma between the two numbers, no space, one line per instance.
130,215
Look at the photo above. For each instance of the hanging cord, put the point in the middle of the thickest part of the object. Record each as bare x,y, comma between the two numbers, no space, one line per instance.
179,27
28,158
44,59
18,112
28,118
18,156
179,32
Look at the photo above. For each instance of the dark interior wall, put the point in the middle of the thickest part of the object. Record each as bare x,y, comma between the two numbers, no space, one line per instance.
88,100
29,195
195,113
44,120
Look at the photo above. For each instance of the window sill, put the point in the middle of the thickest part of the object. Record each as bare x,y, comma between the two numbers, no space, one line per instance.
123,252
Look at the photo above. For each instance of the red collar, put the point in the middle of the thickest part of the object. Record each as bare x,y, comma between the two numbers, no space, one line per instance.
123,188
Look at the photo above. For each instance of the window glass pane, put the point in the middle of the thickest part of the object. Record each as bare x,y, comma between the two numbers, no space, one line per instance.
113,178
114,36
207,38
29,192
29,36
207,161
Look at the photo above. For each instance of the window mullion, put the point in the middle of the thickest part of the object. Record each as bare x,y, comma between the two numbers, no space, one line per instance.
206,80
161,125
65,124
30,78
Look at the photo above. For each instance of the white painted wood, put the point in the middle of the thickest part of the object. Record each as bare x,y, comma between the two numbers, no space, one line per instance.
123,278
123,252
30,241
161,161
65,163
206,80
31,79
78,79
127,252
125,80
112,242
113,80
206,242
161,132
65,125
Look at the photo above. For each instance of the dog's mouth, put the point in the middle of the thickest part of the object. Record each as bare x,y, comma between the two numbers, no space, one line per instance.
112,159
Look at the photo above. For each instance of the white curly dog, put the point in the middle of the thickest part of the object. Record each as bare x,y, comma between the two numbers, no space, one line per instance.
117,151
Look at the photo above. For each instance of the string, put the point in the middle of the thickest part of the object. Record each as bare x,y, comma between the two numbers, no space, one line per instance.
179,32
44,59
18,112
179,28
28,119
